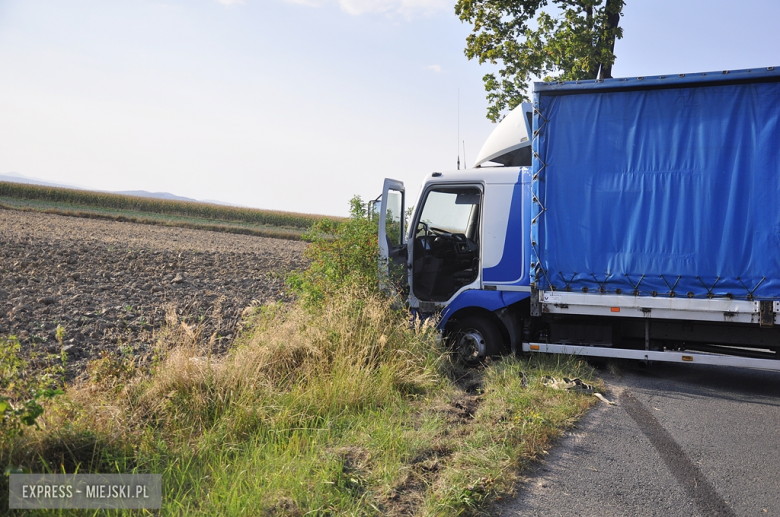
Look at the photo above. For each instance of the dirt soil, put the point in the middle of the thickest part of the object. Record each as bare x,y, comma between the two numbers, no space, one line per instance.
109,284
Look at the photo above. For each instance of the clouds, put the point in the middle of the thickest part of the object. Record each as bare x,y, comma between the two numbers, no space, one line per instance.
231,2
434,68
406,8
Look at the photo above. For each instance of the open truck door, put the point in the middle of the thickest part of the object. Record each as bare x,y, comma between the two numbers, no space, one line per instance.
392,237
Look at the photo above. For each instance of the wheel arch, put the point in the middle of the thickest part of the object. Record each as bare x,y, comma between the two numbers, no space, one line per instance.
508,319
478,312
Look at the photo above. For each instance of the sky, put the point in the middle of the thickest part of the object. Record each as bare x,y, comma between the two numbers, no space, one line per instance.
293,105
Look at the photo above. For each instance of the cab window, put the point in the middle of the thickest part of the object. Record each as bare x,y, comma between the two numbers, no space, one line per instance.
446,243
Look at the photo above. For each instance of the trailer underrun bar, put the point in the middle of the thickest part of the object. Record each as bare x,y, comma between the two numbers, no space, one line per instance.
667,356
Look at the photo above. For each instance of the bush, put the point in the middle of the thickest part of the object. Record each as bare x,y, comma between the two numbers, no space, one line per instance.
21,392
341,254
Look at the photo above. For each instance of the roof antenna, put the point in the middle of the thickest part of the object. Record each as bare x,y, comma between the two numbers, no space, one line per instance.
459,129
464,156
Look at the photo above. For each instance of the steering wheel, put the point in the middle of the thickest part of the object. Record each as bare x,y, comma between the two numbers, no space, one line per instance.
440,232
432,231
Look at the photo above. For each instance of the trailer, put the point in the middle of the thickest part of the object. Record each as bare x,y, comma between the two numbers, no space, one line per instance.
630,218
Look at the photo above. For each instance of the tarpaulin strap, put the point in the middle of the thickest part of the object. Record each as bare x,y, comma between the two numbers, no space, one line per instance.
671,287
636,287
542,209
541,273
710,294
535,198
601,284
544,120
567,283
539,268
751,291
537,155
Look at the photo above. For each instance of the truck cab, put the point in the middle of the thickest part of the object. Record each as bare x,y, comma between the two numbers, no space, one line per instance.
466,250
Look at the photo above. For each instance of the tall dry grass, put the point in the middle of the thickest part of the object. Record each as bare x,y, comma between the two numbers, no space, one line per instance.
356,353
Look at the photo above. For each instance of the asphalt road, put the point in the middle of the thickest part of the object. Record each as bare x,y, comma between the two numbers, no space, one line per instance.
682,440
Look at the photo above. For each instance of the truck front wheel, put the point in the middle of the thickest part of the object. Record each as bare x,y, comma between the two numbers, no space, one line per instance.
474,338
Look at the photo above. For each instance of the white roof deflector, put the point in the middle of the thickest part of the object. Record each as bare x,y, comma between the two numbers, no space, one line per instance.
510,142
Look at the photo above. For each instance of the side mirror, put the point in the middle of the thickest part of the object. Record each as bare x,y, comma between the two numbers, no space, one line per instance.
373,209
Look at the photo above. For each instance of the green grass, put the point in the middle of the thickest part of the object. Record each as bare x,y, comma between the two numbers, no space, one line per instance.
82,203
342,411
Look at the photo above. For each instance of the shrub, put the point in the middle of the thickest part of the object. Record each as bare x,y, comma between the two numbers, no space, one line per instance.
340,255
21,392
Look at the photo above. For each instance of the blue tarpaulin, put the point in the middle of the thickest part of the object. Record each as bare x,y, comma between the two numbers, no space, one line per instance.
664,189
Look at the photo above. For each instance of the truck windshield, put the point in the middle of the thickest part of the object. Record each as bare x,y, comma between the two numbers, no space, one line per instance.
452,210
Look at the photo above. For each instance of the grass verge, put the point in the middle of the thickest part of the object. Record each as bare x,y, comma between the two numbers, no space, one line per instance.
344,411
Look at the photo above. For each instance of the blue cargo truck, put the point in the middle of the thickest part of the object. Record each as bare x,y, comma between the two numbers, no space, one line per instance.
631,218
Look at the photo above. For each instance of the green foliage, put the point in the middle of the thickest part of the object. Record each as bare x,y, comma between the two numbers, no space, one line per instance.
21,392
570,44
59,334
341,255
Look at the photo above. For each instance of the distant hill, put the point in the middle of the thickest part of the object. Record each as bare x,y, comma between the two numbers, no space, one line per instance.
15,177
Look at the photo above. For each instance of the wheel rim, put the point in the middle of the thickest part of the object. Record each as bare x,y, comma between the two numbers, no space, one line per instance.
470,345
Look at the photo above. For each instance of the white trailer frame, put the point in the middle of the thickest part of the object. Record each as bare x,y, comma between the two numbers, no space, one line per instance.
667,356
658,307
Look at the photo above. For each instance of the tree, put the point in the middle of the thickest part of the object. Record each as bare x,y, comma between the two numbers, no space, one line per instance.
574,43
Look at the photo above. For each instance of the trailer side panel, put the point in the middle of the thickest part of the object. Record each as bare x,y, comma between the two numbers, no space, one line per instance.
661,191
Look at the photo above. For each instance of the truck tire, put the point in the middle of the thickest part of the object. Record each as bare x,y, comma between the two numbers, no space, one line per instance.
474,338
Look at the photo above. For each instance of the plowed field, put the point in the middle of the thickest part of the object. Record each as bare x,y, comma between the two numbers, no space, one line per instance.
109,284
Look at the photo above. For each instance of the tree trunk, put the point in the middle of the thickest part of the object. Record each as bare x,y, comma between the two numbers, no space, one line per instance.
613,19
